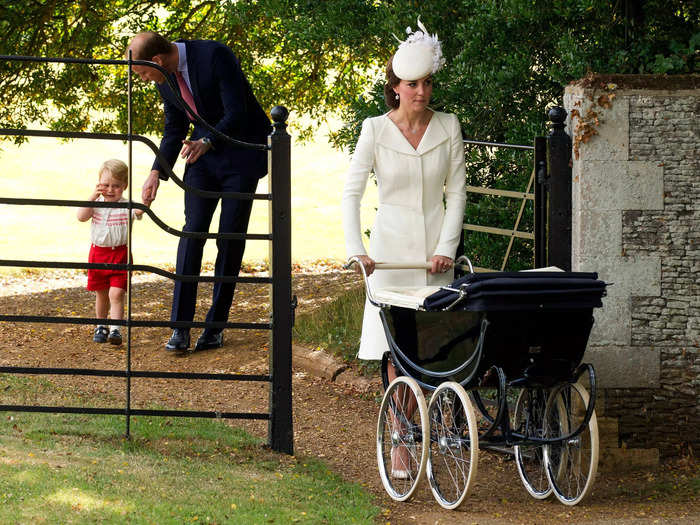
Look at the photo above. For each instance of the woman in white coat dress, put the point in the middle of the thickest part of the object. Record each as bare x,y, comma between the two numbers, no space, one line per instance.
417,156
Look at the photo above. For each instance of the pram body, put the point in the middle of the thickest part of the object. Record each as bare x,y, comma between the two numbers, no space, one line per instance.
532,325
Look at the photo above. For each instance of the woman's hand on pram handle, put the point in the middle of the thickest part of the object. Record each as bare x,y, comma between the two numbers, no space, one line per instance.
367,263
440,264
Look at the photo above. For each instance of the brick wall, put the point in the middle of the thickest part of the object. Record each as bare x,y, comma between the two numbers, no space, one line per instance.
636,220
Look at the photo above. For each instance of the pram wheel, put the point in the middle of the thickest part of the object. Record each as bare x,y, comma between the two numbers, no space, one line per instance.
529,421
490,402
453,456
403,428
571,463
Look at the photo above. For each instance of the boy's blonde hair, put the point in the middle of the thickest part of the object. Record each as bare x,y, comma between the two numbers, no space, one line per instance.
117,169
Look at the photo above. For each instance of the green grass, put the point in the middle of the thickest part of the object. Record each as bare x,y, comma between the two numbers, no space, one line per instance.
336,327
79,469
50,169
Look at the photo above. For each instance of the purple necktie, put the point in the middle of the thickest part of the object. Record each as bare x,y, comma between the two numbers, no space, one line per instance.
186,94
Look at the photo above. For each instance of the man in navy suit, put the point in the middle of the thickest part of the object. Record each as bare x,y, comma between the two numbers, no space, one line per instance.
210,79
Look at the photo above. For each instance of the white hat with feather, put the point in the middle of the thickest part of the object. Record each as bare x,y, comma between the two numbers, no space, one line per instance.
418,56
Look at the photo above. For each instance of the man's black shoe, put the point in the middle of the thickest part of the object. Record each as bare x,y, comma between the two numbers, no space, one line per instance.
179,341
209,340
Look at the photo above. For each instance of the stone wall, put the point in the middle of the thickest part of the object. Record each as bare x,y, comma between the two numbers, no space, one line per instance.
636,221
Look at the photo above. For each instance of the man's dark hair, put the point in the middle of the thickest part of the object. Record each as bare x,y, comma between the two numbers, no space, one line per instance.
152,44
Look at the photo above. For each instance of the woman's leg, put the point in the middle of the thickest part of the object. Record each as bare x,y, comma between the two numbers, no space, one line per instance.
409,405
405,407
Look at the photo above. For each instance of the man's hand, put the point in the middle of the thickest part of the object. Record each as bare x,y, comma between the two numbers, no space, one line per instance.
150,188
193,149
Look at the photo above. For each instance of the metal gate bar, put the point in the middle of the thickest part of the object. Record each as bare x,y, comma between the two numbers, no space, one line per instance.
280,433
517,221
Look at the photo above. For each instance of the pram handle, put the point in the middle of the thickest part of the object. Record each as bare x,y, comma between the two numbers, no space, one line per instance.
414,265
402,266
459,263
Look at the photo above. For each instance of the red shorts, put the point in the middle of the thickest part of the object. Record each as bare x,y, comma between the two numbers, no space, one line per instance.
104,279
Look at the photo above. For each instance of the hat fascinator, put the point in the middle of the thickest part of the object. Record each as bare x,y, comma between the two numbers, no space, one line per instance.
418,56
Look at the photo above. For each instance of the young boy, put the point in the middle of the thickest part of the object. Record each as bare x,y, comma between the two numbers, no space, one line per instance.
108,234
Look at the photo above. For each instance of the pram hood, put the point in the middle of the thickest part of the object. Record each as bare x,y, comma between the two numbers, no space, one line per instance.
521,291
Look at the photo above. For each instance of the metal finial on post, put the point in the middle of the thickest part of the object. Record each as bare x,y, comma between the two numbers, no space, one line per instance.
557,116
279,116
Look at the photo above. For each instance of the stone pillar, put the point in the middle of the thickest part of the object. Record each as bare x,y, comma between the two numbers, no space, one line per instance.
636,221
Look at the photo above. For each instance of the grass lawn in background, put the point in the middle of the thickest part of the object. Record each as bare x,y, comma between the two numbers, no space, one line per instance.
60,468
51,169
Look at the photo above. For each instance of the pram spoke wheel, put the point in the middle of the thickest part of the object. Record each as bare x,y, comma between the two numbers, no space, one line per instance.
402,437
453,455
529,421
571,463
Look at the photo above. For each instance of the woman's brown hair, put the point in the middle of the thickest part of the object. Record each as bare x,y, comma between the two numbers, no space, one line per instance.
391,82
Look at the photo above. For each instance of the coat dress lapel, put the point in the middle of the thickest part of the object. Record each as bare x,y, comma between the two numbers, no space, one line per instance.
435,135
390,136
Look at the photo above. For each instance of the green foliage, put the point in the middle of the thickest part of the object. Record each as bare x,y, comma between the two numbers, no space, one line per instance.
310,56
507,61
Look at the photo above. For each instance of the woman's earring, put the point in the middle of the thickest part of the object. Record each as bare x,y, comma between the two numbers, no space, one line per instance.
397,96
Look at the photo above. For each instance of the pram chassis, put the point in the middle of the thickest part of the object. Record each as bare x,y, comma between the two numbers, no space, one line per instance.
551,430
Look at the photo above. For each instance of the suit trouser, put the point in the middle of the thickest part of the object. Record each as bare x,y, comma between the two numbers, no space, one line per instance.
198,215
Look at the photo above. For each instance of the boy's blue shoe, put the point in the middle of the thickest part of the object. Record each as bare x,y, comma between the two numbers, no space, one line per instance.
100,335
115,337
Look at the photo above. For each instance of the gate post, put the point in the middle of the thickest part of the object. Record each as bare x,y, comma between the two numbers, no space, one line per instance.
280,427
540,167
559,189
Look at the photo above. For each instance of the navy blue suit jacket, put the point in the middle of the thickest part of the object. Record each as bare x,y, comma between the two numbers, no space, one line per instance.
225,100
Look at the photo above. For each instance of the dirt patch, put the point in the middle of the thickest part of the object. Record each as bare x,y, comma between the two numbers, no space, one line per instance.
331,421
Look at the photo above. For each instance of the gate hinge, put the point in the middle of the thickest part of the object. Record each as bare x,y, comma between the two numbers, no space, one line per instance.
294,304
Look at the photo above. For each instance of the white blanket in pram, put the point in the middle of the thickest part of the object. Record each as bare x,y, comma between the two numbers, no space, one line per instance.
405,297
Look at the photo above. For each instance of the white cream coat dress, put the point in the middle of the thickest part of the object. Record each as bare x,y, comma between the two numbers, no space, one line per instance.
412,223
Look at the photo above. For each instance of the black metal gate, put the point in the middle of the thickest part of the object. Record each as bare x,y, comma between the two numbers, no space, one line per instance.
280,431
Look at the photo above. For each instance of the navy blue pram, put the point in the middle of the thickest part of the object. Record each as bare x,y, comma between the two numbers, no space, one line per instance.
499,355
